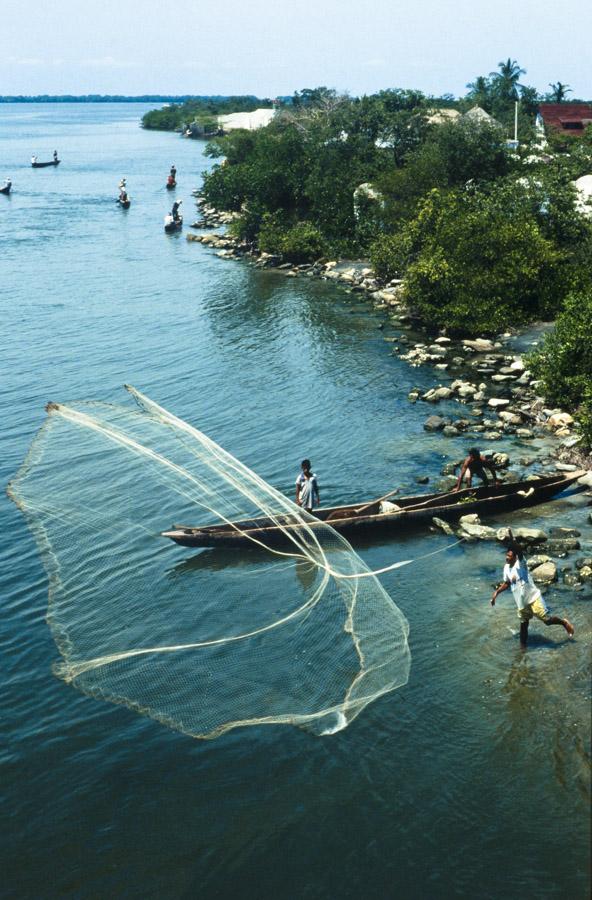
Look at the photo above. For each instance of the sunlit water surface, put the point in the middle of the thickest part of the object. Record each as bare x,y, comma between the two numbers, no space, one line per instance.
471,781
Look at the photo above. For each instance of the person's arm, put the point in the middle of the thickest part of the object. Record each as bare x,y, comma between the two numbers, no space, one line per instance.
463,469
503,587
298,491
316,492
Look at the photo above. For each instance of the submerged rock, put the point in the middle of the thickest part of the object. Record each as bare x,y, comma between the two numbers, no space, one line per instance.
434,423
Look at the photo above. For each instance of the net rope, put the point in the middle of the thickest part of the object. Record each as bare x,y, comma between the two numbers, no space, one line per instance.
294,632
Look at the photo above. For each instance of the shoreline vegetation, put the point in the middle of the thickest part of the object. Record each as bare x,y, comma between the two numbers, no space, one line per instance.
469,233
197,117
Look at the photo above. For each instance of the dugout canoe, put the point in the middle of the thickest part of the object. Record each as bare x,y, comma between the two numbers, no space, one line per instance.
365,518
44,165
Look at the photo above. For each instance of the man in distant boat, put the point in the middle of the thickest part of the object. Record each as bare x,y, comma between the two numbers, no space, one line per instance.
33,160
175,210
475,464
307,488
527,595
55,155
173,172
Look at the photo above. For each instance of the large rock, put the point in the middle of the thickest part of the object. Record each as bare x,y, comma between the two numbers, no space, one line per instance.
497,402
510,417
481,345
557,532
470,519
538,560
546,573
586,480
434,423
561,546
481,532
501,460
559,420
530,535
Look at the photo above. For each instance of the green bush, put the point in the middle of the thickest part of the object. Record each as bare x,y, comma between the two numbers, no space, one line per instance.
564,361
303,243
298,243
481,261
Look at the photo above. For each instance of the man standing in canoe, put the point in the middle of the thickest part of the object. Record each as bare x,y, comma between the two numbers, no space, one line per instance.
528,597
307,488
475,464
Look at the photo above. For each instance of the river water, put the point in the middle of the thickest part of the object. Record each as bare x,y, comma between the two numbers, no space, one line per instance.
472,780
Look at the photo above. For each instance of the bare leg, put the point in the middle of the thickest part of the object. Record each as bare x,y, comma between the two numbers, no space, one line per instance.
555,620
523,633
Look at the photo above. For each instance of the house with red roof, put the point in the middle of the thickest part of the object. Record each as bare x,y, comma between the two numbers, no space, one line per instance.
572,118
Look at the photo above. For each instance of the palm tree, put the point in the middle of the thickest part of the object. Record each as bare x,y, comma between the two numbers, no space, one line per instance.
559,92
480,92
507,79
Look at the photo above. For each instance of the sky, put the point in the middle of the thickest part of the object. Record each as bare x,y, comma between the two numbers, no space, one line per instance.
274,48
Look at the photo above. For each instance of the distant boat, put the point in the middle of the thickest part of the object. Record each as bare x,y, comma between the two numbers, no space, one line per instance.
43,165
125,204
6,188
171,225
171,183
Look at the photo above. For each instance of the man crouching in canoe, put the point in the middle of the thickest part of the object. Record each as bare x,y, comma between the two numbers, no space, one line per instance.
475,464
528,597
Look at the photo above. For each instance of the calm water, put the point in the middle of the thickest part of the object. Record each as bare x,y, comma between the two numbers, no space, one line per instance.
473,780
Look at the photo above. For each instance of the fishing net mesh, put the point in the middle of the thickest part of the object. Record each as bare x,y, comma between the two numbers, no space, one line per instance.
203,641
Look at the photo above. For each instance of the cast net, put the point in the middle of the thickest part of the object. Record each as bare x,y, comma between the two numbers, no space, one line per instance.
296,631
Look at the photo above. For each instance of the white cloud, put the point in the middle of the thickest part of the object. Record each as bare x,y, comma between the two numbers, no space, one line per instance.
108,62
25,61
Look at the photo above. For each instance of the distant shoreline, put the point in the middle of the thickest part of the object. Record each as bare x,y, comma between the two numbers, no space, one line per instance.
107,98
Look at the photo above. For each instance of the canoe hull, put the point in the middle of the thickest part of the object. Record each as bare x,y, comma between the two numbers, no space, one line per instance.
44,165
172,227
415,512
5,190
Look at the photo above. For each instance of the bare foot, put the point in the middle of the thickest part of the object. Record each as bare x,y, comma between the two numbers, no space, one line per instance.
568,627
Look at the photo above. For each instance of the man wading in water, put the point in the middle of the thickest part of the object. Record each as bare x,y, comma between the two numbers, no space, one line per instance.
529,599
307,489
475,464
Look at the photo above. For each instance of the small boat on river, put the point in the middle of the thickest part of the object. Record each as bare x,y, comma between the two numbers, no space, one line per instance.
124,203
171,225
376,516
171,183
43,165
5,189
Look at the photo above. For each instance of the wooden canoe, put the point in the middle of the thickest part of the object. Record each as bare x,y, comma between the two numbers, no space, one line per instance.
364,519
44,165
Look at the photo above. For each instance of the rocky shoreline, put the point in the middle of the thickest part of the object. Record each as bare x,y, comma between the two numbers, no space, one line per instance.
494,389
487,390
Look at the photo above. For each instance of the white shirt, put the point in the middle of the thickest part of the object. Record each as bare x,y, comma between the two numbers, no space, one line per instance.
309,490
520,580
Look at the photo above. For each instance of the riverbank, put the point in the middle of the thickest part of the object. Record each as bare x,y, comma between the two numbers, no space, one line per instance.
483,391
492,388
